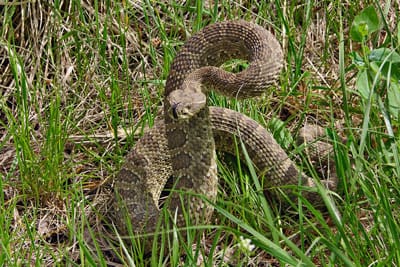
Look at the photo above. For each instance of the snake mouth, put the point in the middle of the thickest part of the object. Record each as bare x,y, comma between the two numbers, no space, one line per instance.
183,113
184,105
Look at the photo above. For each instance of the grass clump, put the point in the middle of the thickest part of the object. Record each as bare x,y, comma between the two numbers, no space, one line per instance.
82,80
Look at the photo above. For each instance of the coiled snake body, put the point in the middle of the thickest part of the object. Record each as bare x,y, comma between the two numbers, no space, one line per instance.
182,144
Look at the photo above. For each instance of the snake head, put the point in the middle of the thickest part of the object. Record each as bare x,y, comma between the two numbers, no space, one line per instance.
184,104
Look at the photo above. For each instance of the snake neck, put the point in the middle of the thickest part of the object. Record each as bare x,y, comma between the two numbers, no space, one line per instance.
190,142
192,151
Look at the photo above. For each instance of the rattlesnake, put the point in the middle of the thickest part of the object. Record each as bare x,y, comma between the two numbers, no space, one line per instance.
182,144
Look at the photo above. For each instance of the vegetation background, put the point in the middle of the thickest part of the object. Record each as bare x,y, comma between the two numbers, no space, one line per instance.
81,80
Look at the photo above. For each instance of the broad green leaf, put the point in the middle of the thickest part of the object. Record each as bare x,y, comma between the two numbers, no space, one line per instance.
357,59
364,24
391,60
383,53
394,99
362,84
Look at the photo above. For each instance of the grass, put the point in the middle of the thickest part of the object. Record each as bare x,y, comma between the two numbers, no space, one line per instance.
78,78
